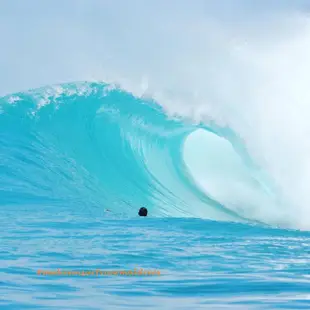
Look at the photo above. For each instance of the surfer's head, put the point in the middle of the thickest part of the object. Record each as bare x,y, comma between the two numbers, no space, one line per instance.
143,211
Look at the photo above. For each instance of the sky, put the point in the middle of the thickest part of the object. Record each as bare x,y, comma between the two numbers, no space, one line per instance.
45,42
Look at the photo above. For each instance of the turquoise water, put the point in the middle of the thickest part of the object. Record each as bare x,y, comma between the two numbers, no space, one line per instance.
70,152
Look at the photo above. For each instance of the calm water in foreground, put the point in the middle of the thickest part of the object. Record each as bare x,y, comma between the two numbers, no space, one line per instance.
202,264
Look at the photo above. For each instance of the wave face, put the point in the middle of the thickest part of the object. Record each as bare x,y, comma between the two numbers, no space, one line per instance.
93,145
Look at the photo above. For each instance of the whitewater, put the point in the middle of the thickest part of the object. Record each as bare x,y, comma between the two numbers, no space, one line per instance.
202,118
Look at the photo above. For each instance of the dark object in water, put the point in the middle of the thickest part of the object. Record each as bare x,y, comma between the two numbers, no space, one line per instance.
143,211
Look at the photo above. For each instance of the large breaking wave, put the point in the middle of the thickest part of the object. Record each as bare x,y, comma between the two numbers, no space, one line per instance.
93,145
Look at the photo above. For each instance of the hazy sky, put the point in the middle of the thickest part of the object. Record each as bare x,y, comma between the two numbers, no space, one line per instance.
54,41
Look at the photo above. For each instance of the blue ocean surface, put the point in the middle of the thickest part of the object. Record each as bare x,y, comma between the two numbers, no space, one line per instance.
78,160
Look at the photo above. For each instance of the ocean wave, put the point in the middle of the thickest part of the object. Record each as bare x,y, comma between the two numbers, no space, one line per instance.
94,145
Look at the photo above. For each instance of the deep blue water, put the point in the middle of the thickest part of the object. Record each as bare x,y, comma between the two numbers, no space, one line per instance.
69,152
